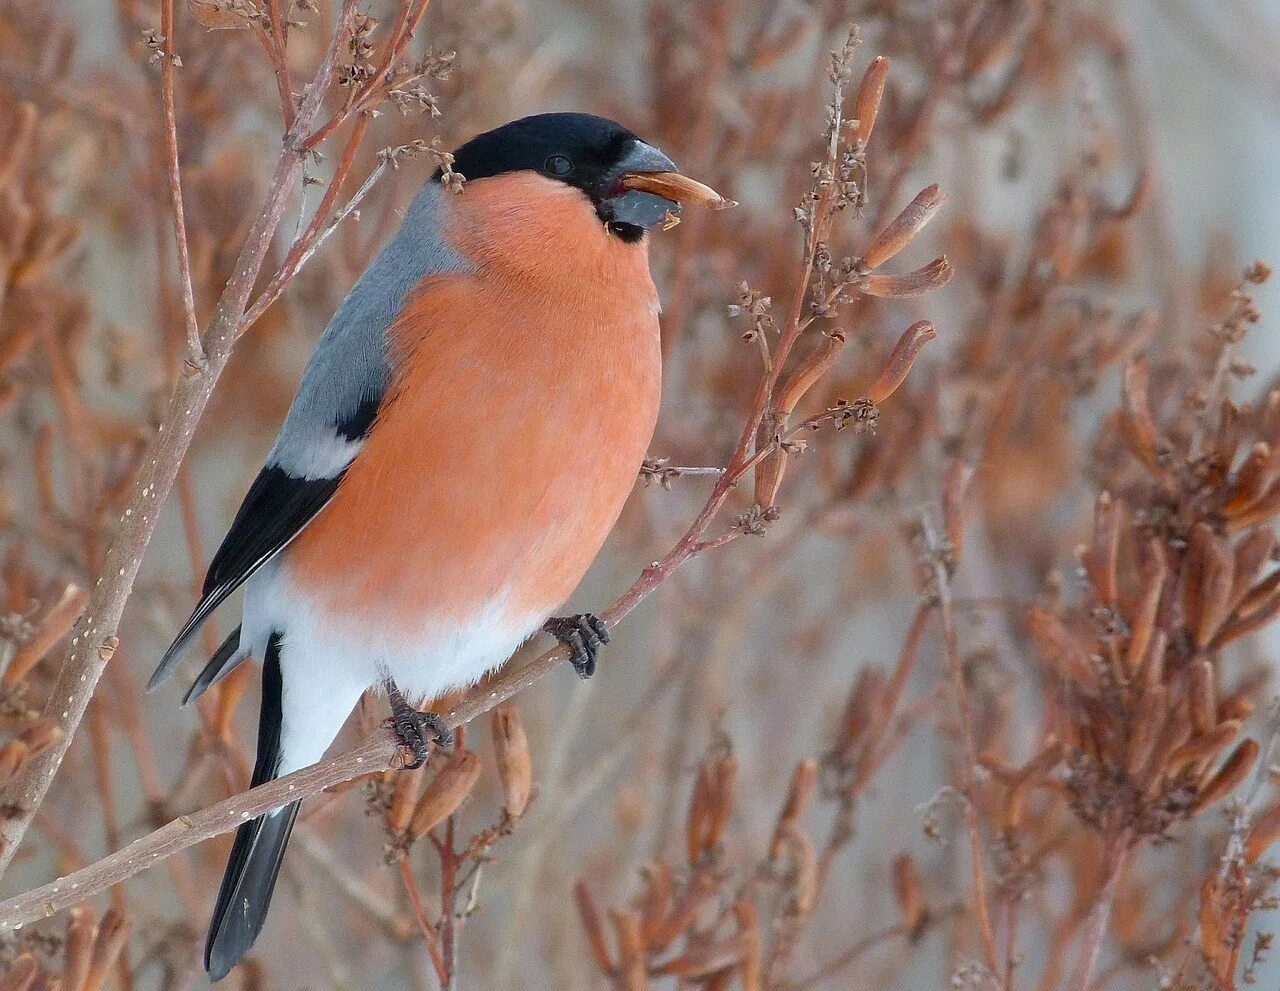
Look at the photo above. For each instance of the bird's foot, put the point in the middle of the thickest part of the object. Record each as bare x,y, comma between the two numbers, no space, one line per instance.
582,634
418,730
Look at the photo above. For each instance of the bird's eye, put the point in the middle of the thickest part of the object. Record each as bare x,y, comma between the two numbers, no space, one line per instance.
558,166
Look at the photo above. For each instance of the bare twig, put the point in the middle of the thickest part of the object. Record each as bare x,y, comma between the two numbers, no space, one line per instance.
95,641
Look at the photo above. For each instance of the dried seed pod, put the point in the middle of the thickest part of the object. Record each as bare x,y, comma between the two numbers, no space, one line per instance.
1203,697
701,962
1260,597
1251,554
1263,833
903,356
53,626
908,893
1236,707
1233,771
809,371
867,105
710,806
903,229
1136,423
12,756
804,780
909,285
1260,510
41,735
782,42
632,972
1216,583
688,905
17,141
1173,734
22,973
1145,730
804,870
1060,648
82,933
1153,668
1256,475
112,933
1153,571
1100,558
446,792
768,475
863,703
404,797
659,900
515,766
1206,747
955,487
752,970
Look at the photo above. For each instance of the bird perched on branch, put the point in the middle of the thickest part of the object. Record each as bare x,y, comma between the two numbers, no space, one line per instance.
461,444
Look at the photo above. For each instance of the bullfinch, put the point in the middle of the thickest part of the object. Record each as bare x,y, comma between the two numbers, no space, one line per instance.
461,444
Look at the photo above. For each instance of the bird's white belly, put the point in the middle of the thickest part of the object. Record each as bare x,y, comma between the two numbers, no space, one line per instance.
328,661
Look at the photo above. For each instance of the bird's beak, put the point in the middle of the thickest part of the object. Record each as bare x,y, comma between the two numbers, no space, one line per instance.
676,187
651,190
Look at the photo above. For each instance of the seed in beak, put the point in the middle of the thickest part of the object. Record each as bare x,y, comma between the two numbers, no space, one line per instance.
676,187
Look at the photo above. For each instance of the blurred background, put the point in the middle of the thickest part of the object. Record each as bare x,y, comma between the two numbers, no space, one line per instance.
1111,169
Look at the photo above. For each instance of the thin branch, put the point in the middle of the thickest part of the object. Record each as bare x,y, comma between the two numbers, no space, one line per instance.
195,350
1100,914
94,641
969,758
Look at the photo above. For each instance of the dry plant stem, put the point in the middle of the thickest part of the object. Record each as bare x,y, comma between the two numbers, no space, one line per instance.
195,349
420,914
378,752
946,611
1100,914
94,641
868,943
275,46
374,754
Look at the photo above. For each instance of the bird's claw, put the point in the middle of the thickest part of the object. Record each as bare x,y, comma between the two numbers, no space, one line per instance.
582,634
417,730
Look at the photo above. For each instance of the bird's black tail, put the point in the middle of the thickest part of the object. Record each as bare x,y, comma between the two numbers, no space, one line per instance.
259,847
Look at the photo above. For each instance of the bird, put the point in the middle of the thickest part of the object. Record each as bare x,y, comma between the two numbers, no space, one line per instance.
461,443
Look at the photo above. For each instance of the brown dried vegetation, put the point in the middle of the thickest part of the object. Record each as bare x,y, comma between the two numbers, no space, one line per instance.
980,701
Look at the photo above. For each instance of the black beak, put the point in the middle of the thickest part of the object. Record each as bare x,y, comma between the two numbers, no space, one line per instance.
633,207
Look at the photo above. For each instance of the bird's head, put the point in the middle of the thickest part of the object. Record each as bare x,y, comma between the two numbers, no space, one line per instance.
631,184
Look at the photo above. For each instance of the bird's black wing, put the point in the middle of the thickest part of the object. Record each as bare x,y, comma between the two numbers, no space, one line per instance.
275,510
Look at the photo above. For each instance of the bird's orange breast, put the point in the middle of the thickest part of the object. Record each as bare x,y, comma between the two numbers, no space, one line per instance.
523,399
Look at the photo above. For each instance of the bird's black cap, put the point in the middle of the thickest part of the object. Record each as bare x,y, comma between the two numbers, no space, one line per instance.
587,152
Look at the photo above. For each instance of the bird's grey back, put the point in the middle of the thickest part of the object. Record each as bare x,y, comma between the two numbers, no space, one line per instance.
349,370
